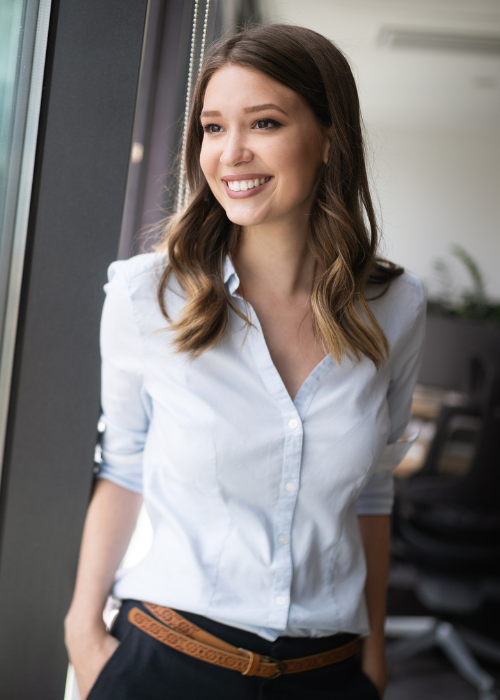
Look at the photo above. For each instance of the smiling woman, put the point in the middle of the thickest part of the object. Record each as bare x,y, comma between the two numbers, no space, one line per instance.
256,425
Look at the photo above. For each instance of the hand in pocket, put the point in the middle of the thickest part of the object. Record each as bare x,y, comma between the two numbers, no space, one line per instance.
88,657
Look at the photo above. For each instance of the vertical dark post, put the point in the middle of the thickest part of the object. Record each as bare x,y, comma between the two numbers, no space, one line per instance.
80,177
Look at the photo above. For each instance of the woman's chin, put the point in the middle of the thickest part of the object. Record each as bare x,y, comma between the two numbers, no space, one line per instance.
246,218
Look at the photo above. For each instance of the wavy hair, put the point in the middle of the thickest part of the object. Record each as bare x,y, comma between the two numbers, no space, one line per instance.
342,234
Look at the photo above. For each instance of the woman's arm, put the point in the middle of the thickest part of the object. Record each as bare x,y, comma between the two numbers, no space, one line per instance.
108,528
375,531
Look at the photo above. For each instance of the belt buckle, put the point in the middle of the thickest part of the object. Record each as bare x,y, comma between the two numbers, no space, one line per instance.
269,659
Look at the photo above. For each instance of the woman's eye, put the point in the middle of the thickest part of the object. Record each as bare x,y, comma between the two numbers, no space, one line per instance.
266,124
212,129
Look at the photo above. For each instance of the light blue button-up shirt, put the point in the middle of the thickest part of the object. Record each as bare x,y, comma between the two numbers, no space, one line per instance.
252,496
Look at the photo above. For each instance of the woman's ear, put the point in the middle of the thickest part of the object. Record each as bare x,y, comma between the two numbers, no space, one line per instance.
327,143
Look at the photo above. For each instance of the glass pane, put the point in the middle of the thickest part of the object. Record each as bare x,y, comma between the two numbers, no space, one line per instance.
23,39
11,32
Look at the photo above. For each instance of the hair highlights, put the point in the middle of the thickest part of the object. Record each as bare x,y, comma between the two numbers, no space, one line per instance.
343,233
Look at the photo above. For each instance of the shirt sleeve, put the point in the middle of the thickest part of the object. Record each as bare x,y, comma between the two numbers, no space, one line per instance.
125,403
377,496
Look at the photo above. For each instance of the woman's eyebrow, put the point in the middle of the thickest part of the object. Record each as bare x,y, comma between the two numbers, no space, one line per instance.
260,108
210,113
247,110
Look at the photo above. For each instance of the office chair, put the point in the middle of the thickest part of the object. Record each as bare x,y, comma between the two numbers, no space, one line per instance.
447,528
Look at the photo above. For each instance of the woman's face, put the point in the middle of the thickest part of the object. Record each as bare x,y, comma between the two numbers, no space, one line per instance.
262,147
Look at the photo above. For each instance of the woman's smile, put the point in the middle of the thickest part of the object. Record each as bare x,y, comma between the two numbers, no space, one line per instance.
244,186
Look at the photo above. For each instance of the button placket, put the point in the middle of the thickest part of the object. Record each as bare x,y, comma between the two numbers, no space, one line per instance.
283,521
292,459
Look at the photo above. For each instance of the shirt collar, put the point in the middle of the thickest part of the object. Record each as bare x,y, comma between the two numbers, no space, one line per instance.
230,277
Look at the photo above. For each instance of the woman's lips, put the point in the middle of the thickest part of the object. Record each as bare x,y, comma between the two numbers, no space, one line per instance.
244,194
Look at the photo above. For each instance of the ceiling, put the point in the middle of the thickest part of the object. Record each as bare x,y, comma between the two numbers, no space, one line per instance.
401,87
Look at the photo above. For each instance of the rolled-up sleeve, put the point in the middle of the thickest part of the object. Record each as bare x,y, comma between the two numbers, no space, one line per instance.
125,403
378,494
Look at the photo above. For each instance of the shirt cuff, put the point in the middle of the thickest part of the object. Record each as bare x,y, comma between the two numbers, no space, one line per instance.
377,497
130,479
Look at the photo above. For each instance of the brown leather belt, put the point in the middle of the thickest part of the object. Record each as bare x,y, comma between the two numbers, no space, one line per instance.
175,631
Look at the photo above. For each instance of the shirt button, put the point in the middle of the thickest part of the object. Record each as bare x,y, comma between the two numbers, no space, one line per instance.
290,486
280,600
282,539
293,423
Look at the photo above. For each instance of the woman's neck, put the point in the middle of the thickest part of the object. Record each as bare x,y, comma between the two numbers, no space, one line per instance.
275,261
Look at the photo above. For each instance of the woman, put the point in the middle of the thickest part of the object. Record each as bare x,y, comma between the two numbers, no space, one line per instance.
256,424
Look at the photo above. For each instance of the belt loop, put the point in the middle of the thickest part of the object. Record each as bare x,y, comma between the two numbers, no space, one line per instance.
253,663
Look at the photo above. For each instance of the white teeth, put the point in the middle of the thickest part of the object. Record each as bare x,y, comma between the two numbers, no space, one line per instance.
244,185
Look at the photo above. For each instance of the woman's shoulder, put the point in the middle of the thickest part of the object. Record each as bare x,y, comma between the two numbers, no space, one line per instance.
134,283
400,307
138,269
407,287
132,289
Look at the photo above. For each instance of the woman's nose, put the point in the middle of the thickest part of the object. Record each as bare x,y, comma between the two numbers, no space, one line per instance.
235,151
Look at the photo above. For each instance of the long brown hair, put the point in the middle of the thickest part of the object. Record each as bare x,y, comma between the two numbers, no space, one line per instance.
343,233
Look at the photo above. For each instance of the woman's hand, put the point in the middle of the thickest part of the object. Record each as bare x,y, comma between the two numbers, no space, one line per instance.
88,652
373,661
375,531
108,527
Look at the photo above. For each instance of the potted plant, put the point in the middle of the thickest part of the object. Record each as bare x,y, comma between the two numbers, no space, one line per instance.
458,326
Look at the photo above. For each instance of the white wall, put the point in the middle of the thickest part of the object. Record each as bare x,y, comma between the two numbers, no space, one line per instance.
437,140
435,188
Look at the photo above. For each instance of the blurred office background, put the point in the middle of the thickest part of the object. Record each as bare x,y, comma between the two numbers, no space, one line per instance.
429,79
89,132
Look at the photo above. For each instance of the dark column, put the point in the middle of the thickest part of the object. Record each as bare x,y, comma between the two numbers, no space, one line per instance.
80,177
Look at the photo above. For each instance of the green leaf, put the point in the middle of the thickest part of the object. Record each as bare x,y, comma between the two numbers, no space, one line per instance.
474,271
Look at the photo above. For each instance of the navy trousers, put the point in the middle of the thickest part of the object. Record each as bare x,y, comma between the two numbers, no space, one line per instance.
143,668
